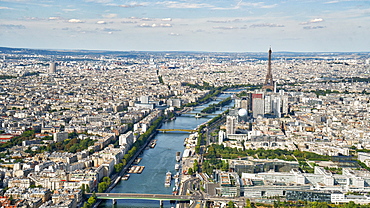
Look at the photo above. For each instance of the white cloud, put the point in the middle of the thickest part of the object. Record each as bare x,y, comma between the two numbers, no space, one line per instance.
165,25
99,1
33,19
110,30
174,34
144,25
132,5
17,0
268,6
338,1
146,19
184,5
75,21
69,10
11,26
109,15
54,18
225,28
257,5
266,25
154,25
224,21
7,8
217,21
198,31
240,4
313,27
128,22
316,20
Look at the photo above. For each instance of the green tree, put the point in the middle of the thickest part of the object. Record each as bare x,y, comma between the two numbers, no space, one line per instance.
86,205
225,166
230,204
83,188
197,149
102,187
118,167
124,162
190,171
195,166
91,200
107,180
249,204
350,204
88,190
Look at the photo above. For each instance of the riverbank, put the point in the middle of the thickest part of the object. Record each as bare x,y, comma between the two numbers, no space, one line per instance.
116,178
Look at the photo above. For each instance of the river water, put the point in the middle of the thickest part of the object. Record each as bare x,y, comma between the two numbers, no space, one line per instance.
158,161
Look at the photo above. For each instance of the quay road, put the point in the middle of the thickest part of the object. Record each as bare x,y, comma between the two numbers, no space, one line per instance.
196,195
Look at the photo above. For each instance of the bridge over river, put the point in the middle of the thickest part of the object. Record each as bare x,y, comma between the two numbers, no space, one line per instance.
157,197
186,130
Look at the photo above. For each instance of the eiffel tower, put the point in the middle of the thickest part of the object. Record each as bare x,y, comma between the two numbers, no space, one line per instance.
269,82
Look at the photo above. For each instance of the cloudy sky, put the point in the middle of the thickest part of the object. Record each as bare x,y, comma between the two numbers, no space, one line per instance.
187,25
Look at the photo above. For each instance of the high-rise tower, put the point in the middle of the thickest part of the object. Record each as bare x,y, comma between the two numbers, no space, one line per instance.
269,82
52,67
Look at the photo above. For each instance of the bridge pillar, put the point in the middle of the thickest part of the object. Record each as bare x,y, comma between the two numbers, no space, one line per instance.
160,203
114,201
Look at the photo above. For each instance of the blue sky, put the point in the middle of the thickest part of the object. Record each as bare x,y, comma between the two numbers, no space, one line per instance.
189,25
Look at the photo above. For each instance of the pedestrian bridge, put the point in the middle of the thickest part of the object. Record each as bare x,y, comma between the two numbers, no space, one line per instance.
186,130
158,197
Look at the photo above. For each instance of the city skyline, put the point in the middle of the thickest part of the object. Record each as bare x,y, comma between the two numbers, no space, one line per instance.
214,26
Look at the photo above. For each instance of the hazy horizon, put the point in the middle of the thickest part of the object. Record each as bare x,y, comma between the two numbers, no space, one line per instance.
180,51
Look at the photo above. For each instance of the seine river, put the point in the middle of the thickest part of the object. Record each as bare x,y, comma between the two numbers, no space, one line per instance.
158,161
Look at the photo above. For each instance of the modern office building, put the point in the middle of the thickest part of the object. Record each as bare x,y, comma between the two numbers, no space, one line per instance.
231,124
144,99
308,195
258,105
60,136
52,67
